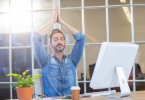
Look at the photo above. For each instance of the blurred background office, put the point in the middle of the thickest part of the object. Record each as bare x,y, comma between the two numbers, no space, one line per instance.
100,20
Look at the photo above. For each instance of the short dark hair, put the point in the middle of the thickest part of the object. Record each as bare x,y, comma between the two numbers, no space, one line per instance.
55,31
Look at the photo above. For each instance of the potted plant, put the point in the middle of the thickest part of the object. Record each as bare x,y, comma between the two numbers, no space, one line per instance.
24,87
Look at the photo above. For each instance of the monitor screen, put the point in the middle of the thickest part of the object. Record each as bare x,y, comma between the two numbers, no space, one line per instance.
111,55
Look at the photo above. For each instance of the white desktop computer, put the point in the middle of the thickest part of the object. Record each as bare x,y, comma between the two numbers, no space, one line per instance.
113,66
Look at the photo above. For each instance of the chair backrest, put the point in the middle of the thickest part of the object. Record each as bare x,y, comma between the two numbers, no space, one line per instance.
138,72
76,78
38,87
91,69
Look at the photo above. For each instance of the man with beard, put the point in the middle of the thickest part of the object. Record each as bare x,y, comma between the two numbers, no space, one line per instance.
58,70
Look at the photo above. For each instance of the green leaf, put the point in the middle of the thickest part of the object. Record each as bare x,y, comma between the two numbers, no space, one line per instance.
24,81
36,76
24,73
16,76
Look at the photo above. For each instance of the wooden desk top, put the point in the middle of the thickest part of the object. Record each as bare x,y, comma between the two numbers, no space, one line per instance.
138,95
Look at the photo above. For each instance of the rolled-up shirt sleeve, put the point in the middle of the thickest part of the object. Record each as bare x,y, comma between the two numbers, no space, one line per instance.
78,48
39,50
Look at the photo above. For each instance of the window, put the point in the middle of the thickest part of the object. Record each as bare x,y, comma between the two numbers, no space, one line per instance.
99,20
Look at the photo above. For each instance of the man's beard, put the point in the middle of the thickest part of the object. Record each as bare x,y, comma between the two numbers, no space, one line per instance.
58,49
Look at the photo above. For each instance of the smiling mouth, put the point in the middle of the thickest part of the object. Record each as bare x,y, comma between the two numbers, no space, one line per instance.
59,45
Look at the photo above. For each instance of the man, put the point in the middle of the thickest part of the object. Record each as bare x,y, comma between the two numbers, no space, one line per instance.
58,70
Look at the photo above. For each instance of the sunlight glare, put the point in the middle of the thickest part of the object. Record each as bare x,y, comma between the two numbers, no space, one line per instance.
20,18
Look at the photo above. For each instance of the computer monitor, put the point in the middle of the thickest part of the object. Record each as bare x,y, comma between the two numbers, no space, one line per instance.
113,55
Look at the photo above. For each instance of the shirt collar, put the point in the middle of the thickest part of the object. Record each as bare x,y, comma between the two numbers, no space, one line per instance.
64,56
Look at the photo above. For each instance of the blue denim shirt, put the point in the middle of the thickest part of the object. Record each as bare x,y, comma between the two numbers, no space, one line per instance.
58,77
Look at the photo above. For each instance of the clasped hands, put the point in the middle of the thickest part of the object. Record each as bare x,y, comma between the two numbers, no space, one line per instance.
56,16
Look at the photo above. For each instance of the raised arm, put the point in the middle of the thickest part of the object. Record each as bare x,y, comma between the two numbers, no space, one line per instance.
38,41
44,29
78,36
66,25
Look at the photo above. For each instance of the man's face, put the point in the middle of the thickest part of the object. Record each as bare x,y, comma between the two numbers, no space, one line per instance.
58,42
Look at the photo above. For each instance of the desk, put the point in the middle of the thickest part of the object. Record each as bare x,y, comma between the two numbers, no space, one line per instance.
138,95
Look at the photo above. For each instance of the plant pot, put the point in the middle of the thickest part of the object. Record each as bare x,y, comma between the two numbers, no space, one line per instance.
25,93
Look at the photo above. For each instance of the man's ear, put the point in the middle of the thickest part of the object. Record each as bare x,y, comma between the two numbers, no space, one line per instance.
49,45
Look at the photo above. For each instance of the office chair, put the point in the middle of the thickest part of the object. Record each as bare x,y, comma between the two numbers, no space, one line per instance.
76,78
38,87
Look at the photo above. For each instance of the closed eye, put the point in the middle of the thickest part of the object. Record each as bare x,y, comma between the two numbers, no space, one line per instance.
55,39
62,38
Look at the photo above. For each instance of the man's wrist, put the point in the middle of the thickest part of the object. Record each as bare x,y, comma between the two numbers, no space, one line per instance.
61,22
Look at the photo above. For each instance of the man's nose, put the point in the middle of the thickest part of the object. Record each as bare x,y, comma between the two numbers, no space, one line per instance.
59,41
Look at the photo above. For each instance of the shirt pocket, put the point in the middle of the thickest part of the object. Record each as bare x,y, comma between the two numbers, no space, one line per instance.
54,71
68,70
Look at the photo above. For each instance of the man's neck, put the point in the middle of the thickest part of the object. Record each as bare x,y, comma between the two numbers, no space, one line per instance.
59,55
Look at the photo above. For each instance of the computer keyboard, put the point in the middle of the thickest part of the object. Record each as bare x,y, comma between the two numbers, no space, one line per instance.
101,93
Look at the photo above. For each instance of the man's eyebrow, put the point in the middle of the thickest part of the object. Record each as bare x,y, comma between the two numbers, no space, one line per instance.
55,38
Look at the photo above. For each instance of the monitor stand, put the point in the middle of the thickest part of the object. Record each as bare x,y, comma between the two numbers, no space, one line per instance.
125,90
